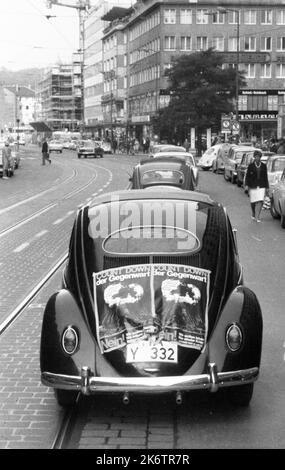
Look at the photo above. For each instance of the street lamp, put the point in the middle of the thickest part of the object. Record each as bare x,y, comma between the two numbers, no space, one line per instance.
225,10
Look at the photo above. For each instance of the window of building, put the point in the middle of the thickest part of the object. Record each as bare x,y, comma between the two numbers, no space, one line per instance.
232,44
280,70
202,16
185,43
218,17
250,43
266,16
265,70
185,16
202,43
219,43
281,43
249,70
265,43
234,16
170,16
169,43
280,17
250,17
273,102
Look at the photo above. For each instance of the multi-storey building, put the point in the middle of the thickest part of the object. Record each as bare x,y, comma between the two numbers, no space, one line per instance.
17,106
94,26
249,33
60,96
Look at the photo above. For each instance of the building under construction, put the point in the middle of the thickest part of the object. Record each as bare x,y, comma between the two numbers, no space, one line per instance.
60,95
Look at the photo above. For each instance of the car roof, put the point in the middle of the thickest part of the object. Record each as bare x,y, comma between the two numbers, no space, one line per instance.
169,161
140,194
173,154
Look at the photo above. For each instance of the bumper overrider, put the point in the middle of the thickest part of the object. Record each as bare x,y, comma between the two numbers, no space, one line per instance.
87,384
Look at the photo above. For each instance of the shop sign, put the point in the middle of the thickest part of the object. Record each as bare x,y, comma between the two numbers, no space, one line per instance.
258,116
261,92
246,57
145,118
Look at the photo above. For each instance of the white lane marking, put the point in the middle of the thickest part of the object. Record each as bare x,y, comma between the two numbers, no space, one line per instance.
21,247
36,196
28,219
41,234
58,221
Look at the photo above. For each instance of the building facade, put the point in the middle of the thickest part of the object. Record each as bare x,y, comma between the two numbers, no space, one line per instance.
94,26
17,106
59,93
249,34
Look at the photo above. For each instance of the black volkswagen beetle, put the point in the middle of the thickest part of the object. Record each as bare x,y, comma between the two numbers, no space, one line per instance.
163,171
152,300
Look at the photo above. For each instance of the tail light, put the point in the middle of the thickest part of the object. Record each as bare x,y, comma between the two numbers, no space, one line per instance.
70,340
234,337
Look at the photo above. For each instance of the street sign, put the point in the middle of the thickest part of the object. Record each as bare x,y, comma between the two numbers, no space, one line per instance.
226,125
235,127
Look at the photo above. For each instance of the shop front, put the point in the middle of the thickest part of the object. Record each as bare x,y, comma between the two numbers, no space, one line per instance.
258,114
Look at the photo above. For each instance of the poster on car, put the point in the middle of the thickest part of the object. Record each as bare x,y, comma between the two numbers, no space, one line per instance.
149,304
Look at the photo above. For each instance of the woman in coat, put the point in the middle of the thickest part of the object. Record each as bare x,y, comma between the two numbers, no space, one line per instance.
256,181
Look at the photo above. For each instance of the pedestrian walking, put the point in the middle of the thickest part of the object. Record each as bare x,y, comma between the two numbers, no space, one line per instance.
256,181
186,145
45,153
6,157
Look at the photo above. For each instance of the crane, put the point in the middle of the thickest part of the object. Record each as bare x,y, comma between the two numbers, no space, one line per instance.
82,6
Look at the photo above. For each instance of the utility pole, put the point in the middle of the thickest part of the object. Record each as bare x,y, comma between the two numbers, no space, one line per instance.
82,6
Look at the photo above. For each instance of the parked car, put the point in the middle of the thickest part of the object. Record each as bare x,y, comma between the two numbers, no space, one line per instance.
89,148
152,300
184,156
163,172
247,158
208,157
275,167
277,201
218,165
55,146
233,159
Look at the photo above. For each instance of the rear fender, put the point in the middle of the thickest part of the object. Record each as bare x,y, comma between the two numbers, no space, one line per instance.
243,309
62,311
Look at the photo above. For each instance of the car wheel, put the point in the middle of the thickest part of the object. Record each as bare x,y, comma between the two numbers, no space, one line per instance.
65,397
240,395
273,211
283,221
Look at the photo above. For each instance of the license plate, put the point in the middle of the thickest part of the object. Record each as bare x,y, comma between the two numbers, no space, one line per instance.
163,351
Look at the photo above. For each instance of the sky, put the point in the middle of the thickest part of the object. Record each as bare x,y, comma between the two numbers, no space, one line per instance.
29,39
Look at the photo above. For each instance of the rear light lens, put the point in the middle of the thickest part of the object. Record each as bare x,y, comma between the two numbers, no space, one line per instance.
70,340
234,337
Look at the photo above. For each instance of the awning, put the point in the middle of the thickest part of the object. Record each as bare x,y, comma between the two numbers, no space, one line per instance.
40,126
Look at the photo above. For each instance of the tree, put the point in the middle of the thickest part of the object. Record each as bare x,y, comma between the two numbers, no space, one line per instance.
200,92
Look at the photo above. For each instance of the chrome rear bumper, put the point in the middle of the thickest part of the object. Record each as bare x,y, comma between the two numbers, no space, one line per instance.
88,384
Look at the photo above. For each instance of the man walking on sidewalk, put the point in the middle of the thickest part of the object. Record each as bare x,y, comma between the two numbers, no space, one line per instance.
45,152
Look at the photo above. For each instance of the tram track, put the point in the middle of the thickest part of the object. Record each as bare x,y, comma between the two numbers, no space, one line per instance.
72,193
15,314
